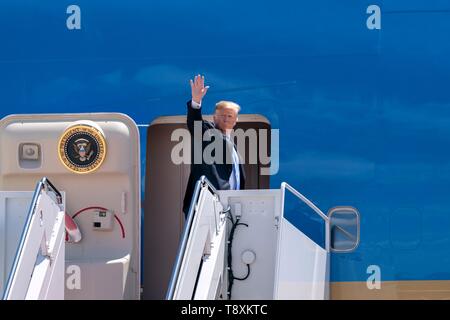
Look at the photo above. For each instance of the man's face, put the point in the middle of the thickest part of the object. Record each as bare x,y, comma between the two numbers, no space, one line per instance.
225,118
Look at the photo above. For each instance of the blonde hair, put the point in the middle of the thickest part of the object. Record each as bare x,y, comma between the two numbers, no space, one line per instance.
227,104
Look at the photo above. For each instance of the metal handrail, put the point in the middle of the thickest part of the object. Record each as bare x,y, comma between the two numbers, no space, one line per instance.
319,212
202,182
47,183
42,185
206,182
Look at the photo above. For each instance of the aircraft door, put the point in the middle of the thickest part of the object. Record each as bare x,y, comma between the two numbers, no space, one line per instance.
303,254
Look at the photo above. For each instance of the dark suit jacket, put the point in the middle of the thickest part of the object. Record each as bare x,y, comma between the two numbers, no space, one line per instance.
217,173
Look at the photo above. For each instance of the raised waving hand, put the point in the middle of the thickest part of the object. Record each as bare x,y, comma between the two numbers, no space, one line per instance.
198,88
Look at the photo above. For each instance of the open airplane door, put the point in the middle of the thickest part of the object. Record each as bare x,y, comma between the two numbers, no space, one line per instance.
165,188
303,260
38,267
199,272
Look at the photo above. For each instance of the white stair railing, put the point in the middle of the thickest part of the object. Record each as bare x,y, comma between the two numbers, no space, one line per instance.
38,268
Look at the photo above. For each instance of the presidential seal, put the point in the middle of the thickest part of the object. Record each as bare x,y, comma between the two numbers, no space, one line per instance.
82,147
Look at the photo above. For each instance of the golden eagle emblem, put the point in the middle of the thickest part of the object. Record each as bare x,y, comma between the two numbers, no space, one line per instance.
82,147
83,150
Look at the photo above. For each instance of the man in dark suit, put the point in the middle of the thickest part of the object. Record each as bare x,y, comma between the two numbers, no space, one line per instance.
225,172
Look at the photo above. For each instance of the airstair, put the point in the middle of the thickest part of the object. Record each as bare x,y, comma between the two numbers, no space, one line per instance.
240,244
33,254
